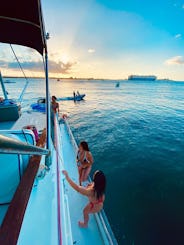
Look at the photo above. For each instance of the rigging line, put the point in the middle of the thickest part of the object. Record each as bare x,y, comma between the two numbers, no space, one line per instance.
18,62
23,91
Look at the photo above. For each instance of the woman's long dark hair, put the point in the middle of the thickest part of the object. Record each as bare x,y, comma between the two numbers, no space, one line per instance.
54,97
84,145
99,183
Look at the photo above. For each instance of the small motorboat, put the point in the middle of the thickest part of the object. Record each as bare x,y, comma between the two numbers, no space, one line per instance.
76,98
39,106
117,85
9,81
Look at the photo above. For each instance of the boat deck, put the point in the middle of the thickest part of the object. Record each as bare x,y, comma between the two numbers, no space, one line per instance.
37,119
77,202
31,118
41,216
27,118
41,213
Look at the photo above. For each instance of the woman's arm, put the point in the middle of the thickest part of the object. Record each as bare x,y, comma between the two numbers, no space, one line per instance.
89,161
80,189
58,107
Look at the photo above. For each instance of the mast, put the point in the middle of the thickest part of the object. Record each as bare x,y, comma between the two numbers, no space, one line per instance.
48,114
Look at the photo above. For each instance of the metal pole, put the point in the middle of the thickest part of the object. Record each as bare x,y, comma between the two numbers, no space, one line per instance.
3,87
13,146
48,114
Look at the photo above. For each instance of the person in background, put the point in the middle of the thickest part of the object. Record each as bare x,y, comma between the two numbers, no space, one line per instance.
84,161
55,105
95,192
54,110
74,95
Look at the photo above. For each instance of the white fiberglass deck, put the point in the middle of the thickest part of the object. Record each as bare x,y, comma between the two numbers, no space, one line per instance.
37,119
27,118
77,202
39,226
31,118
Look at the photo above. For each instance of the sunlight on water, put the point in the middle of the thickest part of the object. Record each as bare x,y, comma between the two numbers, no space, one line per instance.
136,135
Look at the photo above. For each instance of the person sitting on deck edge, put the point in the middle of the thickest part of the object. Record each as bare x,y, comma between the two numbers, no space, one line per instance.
84,161
95,193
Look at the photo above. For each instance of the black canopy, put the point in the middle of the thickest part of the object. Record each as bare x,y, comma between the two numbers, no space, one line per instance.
21,22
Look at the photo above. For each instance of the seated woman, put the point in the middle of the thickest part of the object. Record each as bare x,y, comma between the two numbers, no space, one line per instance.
95,193
84,161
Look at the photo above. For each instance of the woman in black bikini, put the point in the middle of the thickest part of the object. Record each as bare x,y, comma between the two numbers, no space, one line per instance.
55,105
94,192
84,161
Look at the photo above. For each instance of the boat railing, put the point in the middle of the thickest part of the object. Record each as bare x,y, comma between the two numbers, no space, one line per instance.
13,146
64,223
73,141
104,227
101,218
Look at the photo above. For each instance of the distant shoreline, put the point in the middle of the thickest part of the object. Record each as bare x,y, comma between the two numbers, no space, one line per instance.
93,79
68,78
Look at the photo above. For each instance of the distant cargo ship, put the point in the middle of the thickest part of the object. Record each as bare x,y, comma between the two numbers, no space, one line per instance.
140,78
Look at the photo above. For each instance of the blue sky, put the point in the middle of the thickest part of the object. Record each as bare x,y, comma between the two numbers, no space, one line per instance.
113,39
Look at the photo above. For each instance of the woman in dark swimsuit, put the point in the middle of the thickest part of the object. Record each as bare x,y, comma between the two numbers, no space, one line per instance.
55,105
94,192
84,161
54,111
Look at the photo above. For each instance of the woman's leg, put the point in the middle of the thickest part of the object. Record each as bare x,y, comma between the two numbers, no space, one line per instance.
80,175
86,212
85,173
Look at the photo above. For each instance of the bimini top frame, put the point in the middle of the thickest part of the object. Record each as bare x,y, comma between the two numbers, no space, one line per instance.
21,22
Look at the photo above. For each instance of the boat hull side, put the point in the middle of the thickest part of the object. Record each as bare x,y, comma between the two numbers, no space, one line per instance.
9,112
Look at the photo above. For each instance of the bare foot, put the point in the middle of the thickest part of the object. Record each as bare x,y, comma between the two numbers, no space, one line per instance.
82,224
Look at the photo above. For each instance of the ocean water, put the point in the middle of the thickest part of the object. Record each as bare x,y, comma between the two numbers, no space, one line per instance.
136,135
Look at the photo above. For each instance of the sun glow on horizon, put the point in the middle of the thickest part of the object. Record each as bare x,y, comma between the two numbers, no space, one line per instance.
65,58
87,41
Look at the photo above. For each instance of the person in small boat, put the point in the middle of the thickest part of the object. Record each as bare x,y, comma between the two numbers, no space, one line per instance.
74,95
55,105
78,94
84,161
95,192
42,101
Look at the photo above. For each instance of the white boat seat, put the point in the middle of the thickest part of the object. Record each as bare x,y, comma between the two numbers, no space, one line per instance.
13,165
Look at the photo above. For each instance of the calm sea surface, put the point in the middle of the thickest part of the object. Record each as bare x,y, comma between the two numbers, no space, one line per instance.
136,135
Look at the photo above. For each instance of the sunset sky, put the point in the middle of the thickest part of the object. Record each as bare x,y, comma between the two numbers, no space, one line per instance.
109,39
